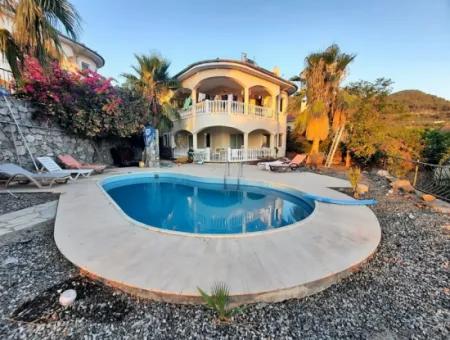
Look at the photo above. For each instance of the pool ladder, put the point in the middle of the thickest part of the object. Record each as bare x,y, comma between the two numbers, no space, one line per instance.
240,173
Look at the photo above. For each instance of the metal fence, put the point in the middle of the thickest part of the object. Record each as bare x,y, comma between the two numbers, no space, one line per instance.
433,179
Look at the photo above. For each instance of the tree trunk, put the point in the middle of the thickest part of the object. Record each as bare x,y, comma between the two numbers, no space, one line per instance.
315,146
348,159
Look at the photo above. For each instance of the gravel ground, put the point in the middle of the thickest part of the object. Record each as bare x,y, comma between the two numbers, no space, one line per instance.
17,201
403,292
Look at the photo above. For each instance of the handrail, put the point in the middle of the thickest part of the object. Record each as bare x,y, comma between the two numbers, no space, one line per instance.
226,106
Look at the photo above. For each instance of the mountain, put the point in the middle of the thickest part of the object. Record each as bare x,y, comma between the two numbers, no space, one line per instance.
420,109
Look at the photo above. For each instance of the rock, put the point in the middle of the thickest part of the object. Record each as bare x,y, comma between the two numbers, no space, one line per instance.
402,184
383,173
362,189
428,197
11,260
67,297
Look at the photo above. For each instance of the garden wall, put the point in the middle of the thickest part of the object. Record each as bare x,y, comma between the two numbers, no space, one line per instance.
44,138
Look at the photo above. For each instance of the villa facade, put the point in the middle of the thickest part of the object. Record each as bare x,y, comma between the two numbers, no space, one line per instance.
235,111
76,56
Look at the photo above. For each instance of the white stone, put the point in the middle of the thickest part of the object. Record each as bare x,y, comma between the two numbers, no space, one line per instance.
67,297
383,173
10,260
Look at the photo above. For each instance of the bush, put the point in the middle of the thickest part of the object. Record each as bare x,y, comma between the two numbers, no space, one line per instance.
437,145
84,102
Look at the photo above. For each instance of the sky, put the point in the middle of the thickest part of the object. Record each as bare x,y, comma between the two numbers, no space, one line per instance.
405,40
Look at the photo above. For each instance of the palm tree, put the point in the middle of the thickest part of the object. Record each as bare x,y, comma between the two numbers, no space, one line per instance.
151,79
34,31
322,76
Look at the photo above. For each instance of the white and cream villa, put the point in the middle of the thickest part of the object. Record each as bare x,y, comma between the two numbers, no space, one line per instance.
76,56
236,111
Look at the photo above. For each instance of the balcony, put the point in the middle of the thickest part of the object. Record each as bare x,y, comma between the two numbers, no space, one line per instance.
226,107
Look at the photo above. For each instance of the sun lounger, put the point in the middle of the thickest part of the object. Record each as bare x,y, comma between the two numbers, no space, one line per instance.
266,165
71,163
292,165
52,167
16,173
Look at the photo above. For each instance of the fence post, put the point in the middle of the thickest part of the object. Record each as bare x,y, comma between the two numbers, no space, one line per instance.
415,173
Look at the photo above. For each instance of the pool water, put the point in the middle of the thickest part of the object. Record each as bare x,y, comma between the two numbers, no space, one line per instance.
180,204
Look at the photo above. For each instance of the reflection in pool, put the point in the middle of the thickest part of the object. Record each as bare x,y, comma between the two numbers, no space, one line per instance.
180,204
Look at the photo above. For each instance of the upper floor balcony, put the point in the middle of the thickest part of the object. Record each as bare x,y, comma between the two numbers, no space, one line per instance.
226,107
236,96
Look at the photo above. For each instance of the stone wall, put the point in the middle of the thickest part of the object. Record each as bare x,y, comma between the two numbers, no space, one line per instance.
44,138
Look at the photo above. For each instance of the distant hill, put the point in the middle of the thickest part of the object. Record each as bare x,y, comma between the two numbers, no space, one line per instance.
421,109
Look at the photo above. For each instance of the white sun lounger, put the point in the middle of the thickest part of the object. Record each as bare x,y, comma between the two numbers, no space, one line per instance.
16,173
52,167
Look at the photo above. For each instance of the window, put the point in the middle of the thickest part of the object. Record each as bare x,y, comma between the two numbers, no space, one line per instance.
207,140
191,141
166,140
84,66
280,140
236,141
265,141
281,104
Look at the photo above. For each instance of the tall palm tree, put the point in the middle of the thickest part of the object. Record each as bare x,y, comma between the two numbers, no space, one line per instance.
322,76
151,79
34,31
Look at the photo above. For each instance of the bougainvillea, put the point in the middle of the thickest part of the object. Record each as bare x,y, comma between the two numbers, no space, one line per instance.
85,103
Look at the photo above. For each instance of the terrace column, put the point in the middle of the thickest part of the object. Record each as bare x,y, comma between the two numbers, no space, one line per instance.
194,141
246,99
274,106
245,146
194,99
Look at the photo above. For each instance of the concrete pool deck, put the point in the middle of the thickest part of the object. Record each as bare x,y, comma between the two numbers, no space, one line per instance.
290,262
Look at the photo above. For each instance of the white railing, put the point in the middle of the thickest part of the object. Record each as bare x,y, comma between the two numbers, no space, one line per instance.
234,155
260,111
226,106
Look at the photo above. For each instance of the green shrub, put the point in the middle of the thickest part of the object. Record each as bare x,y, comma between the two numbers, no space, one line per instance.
219,301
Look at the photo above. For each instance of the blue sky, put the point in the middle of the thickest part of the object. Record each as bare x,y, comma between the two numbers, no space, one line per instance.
405,40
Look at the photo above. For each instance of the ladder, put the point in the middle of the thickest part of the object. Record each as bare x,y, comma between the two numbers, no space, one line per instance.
240,173
334,146
4,95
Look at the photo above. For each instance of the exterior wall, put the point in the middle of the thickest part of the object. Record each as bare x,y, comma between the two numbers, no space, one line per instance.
45,139
74,53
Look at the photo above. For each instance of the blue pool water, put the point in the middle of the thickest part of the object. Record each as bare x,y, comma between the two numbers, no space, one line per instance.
179,203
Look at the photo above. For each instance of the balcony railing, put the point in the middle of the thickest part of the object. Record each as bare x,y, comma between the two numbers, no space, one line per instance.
226,107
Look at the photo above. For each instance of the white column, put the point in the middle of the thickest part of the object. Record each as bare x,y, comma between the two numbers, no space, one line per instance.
194,99
245,146
272,140
194,141
246,99
274,106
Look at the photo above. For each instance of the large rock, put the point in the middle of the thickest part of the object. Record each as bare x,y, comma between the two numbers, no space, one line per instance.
428,197
383,173
362,189
402,184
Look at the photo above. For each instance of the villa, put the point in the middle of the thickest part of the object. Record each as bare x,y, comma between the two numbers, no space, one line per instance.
76,56
235,111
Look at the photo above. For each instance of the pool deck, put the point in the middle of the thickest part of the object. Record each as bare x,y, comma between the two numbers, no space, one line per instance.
290,262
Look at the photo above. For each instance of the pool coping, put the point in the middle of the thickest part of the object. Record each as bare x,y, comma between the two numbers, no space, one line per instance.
291,262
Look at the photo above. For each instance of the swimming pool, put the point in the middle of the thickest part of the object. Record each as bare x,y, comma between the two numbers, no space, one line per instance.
191,204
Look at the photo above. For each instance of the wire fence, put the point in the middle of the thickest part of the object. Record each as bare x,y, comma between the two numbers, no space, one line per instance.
432,179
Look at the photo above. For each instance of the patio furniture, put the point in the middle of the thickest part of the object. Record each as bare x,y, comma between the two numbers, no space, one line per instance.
16,173
52,167
292,165
71,163
266,165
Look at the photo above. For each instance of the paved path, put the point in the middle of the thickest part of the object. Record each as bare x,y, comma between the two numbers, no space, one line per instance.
293,261
28,217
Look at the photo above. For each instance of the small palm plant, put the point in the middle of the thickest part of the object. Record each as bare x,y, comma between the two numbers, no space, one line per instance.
354,175
219,301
